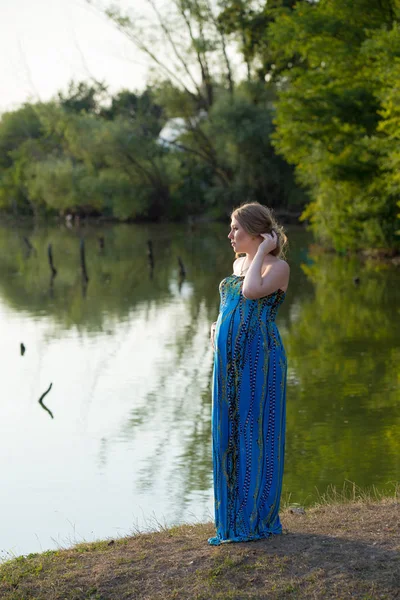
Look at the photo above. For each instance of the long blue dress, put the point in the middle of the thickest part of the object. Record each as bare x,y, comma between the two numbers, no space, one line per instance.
248,415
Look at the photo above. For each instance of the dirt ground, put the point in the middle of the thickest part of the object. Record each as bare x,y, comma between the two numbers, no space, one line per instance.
349,550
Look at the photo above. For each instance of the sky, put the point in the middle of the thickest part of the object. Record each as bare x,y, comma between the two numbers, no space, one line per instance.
46,43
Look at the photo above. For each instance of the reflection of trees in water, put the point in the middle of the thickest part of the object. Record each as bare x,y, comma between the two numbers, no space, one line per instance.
178,406
94,375
121,285
343,409
341,339
178,409
120,277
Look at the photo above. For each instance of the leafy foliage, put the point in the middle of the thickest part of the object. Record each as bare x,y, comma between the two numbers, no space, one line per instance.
335,119
70,156
313,100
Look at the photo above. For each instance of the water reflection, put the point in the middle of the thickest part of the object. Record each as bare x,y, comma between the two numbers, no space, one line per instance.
344,413
131,363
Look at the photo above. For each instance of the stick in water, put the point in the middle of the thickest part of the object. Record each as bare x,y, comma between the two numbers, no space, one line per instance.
51,263
83,261
41,400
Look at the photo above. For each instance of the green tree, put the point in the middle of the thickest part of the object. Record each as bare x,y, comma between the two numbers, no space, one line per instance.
20,131
331,117
136,106
83,97
75,156
115,167
248,23
242,130
221,157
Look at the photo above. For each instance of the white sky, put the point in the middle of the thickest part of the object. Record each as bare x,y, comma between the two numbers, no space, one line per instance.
46,43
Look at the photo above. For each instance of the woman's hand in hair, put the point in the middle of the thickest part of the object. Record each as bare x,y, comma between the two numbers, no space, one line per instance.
270,242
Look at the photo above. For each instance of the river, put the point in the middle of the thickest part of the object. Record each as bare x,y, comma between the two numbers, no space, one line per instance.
125,442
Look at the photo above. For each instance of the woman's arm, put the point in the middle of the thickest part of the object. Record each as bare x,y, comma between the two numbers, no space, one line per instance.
261,281
257,285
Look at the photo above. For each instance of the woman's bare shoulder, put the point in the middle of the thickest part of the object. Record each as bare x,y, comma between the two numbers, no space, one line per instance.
276,263
283,264
279,270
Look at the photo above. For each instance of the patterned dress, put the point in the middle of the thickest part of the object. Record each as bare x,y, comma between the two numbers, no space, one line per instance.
248,415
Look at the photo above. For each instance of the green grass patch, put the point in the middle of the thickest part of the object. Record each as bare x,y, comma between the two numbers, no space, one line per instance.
347,549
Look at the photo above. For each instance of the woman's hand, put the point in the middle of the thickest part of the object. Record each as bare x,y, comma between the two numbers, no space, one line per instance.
212,334
270,242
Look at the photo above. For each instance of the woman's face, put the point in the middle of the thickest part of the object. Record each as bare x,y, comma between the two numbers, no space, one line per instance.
241,241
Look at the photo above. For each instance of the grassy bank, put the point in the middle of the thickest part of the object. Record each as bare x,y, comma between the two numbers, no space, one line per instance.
337,550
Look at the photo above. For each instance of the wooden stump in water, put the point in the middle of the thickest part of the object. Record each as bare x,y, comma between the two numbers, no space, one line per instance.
182,270
29,245
150,257
83,261
51,263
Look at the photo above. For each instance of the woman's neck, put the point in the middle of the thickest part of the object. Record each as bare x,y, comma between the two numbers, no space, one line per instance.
251,254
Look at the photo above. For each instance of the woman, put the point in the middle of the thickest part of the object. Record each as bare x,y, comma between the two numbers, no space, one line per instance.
249,383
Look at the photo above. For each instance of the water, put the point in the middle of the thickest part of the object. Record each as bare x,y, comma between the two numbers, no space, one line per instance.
130,362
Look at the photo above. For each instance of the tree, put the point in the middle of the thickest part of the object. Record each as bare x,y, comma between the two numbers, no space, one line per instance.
198,87
114,166
331,117
20,133
82,97
58,158
190,35
248,23
134,106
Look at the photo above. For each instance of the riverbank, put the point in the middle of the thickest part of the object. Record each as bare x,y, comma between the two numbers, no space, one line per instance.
349,550
78,224
284,216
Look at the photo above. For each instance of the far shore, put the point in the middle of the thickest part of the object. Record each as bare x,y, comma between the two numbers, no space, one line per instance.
376,255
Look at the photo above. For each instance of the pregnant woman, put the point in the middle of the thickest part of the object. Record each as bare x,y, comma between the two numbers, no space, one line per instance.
249,382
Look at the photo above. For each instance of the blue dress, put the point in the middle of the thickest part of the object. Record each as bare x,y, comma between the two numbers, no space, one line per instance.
248,415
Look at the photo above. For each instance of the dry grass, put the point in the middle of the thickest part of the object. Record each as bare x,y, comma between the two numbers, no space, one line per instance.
343,548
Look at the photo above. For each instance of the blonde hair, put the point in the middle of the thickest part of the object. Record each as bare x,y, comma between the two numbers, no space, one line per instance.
256,219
